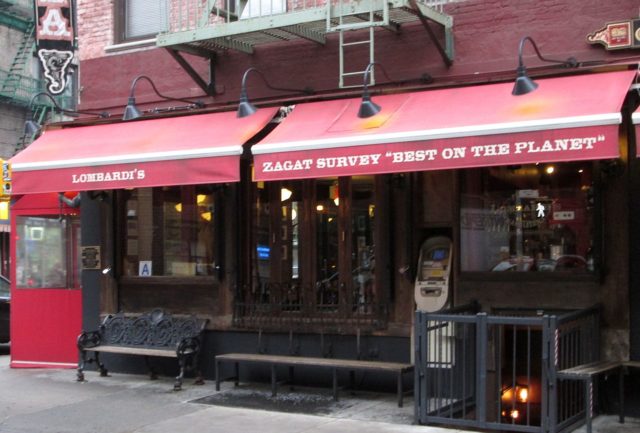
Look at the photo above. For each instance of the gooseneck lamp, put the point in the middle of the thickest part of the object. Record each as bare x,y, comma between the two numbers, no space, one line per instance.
524,84
132,112
369,108
33,128
245,107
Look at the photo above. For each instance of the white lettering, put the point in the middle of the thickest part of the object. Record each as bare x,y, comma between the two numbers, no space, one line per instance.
54,25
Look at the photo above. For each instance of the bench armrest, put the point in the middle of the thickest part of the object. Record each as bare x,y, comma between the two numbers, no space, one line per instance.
188,346
89,339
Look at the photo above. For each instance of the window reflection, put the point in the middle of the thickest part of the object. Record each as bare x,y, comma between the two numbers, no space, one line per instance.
326,216
528,218
43,248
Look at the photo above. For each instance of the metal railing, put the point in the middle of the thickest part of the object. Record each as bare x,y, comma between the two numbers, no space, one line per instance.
281,307
197,14
23,87
498,371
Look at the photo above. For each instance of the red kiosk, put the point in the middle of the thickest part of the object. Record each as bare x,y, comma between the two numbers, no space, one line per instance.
46,303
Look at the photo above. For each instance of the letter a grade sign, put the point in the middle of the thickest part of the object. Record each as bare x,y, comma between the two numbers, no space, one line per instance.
54,41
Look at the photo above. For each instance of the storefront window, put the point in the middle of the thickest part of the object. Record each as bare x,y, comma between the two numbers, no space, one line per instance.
313,242
276,242
527,218
362,257
47,252
170,232
326,214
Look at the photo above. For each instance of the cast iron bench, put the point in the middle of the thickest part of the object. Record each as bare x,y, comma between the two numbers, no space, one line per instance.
587,372
297,361
156,333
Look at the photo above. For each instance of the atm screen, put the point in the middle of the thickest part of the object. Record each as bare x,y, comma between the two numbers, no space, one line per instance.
439,254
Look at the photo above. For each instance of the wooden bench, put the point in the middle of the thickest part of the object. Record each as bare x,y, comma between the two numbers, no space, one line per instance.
587,372
156,333
298,361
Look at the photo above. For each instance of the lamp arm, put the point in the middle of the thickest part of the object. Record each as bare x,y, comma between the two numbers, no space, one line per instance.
367,71
64,110
570,62
199,104
243,90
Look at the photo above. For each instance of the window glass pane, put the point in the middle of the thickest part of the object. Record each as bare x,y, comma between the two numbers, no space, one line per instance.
527,218
326,214
170,232
362,257
41,252
145,17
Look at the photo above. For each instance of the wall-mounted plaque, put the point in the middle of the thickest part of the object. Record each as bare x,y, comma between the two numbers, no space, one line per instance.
91,257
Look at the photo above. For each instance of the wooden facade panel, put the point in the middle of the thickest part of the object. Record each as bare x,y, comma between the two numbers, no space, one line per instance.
139,295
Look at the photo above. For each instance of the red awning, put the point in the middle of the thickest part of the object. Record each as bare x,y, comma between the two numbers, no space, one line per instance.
565,119
203,148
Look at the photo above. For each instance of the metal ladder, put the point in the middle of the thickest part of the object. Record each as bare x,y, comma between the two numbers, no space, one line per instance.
342,20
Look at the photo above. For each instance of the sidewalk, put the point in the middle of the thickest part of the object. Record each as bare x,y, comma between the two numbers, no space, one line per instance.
51,401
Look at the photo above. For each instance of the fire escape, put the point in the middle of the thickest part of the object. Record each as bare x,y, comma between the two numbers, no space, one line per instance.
18,83
206,27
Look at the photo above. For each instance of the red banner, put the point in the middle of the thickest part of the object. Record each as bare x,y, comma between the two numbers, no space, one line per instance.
557,145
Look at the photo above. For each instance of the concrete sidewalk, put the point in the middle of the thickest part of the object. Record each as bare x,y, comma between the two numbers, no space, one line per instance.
51,401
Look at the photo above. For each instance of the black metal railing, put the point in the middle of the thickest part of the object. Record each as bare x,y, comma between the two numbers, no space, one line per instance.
285,306
498,371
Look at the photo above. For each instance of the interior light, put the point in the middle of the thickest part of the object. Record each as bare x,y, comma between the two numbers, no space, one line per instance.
206,216
320,208
294,214
550,169
200,198
515,414
523,394
337,201
285,194
581,170
178,207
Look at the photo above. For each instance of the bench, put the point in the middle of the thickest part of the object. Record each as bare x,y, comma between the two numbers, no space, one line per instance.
587,372
153,334
298,361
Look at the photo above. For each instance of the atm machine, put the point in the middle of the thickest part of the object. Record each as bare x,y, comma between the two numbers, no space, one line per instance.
432,289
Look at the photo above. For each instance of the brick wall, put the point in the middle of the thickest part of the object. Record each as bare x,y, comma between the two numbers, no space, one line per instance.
95,27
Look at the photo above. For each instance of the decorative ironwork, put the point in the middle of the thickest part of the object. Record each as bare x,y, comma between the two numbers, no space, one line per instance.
284,306
139,333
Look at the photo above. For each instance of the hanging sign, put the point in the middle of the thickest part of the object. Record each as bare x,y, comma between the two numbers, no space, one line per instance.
617,35
54,41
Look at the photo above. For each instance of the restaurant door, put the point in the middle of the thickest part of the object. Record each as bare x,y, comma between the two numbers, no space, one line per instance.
46,312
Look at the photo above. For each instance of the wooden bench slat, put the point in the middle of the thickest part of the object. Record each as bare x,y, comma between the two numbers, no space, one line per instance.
316,362
591,369
134,351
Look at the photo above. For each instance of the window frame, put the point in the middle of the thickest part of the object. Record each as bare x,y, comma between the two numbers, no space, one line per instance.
121,197
120,25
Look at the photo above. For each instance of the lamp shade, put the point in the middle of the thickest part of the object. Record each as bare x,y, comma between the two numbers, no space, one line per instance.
368,108
245,108
31,128
523,85
131,111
